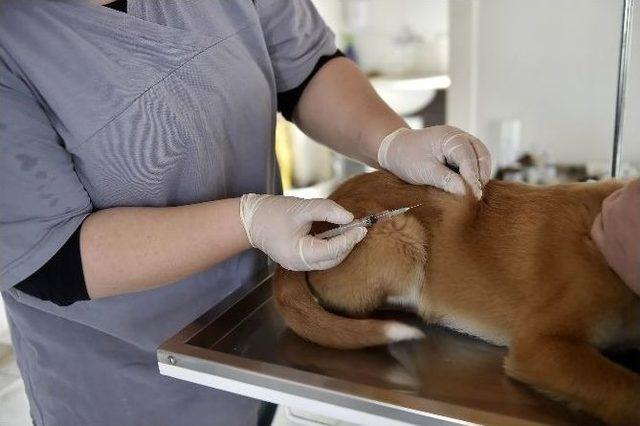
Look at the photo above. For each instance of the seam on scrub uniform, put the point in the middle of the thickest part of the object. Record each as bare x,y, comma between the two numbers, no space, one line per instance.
169,74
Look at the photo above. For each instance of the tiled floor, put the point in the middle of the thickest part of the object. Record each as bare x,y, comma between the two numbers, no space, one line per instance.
295,417
14,408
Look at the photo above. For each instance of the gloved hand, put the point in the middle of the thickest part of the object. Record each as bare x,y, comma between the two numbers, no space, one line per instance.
279,226
420,157
616,232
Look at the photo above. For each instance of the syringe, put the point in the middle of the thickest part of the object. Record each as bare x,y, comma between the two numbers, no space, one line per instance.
366,221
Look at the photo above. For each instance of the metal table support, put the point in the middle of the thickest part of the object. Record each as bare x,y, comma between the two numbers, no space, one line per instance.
623,65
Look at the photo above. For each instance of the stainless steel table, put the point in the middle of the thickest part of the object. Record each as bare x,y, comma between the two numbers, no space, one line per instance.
243,346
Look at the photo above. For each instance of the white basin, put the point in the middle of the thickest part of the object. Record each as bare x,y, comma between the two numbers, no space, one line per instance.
409,95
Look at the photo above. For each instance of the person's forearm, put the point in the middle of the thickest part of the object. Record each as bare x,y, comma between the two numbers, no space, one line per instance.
340,109
130,249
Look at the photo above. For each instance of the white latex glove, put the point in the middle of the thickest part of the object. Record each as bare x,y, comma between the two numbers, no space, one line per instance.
279,226
419,157
616,232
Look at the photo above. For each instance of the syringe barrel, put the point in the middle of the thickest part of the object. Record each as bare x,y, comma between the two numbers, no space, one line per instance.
339,230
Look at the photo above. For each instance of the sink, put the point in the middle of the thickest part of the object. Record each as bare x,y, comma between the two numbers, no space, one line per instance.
409,95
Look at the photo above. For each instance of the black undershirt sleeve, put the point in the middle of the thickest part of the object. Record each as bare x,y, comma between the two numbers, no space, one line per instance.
120,5
288,100
61,279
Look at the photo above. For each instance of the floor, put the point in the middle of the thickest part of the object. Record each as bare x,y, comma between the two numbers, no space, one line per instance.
14,408
290,417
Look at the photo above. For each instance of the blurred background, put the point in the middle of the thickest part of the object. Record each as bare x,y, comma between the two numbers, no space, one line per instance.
534,79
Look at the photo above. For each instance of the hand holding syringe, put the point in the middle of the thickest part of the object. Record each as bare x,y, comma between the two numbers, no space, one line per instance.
279,226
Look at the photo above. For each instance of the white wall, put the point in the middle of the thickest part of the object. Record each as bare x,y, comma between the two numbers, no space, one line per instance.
376,24
550,63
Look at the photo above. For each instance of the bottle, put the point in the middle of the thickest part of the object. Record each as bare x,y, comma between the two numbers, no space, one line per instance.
350,48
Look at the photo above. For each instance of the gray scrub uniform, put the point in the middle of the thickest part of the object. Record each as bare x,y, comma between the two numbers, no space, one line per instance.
173,103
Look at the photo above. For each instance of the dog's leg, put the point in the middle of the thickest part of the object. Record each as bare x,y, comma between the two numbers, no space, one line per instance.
576,372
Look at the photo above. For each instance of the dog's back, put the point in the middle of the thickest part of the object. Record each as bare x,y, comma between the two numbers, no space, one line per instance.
523,255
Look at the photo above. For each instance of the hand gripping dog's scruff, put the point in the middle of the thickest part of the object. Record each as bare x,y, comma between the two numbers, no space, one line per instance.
517,268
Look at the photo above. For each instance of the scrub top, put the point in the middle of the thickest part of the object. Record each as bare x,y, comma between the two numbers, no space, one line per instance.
171,103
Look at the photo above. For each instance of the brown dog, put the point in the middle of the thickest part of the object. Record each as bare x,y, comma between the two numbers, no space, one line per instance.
517,268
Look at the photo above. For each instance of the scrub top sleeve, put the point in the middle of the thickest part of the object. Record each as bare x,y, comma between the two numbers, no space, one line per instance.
287,101
42,201
296,38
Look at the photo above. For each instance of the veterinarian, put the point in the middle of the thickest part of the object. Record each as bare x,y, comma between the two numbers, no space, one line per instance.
135,138
616,232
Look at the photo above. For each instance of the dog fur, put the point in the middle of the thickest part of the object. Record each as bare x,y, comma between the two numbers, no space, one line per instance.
517,268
